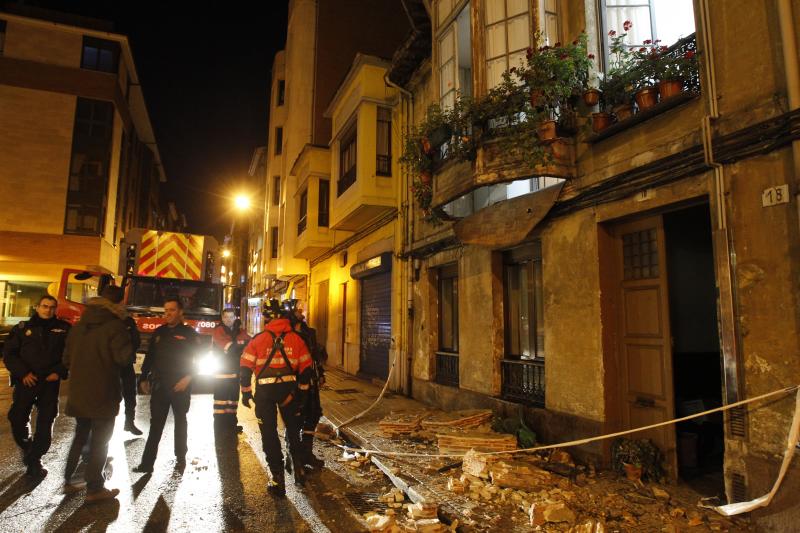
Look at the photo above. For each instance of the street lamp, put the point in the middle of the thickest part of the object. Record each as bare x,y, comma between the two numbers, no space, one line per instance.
242,202
226,253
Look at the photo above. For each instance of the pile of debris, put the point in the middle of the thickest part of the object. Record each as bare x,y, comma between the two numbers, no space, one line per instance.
420,517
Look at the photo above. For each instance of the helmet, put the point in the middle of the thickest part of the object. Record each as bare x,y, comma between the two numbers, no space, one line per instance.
272,309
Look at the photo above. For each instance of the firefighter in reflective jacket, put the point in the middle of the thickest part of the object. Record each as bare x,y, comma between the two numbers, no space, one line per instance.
280,362
227,343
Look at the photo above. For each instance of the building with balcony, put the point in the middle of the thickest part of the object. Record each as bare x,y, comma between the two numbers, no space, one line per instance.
630,279
78,163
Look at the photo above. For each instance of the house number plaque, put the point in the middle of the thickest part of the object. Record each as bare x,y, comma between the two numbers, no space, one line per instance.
775,195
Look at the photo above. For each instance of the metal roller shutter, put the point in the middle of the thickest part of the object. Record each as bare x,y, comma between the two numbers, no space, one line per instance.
376,324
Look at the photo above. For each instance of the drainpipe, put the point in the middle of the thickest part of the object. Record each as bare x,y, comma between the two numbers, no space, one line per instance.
792,73
726,252
407,118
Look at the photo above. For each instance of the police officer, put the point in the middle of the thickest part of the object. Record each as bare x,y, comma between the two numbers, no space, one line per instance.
279,361
227,343
33,354
167,376
312,408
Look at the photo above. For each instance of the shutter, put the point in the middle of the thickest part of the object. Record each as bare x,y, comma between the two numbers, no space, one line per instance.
376,324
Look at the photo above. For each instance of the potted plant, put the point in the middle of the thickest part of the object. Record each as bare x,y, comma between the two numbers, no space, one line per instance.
638,459
618,82
673,70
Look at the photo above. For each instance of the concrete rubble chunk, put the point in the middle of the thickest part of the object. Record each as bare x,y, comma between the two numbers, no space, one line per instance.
661,494
560,456
518,475
422,510
455,485
377,523
547,512
591,526
478,465
468,418
430,525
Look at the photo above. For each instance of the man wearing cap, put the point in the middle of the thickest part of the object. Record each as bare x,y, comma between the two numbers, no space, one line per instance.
279,361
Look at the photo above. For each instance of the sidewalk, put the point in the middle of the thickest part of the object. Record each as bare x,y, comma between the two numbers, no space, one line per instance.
593,499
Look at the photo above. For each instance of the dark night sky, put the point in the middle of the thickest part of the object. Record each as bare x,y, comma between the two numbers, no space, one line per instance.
205,72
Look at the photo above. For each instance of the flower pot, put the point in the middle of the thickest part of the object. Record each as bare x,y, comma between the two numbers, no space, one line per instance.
600,121
547,130
646,98
426,145
632,472
559,149
669,88
425,177
591,97
623,111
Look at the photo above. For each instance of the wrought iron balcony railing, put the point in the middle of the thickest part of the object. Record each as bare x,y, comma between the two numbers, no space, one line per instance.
447,369
523,381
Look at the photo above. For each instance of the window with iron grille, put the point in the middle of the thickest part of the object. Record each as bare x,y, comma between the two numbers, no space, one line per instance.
302,215
448,309
89,166
273,242
100,54
347,160
281,96
324,209
278,141
384,142
524,303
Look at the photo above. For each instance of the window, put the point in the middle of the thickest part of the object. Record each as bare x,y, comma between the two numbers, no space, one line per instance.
88,175
491,194
448,309
347,160
2,35
384,142
549,21
276,190
455,57
281,96
507,36
524,307
324,210
665,20
99,54
273,242
302,213
278,141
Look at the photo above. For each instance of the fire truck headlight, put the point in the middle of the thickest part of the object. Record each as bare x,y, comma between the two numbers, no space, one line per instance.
208,364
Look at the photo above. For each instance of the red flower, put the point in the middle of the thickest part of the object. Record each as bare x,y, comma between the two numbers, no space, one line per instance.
627,25
643,49
557,45
612,33
648,41
664,48
574,42
689,54
591,56
657,41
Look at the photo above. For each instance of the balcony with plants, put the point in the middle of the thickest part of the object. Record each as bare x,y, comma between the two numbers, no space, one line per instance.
642,82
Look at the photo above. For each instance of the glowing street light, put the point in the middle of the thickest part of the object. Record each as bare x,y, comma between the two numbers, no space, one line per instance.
242,202
226,253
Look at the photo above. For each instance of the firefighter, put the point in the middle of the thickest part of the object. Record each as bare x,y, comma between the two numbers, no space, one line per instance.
279,361
312,409
167,375
227,343
33,354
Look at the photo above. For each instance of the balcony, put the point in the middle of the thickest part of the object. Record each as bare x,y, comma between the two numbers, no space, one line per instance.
523,381
312,199
447,369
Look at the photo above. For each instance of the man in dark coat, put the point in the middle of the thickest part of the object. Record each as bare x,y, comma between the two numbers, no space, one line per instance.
227,343
167,374
32,356
98,348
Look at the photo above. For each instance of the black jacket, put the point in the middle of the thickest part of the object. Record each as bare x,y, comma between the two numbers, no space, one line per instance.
97,349
133,332
171,354
37,346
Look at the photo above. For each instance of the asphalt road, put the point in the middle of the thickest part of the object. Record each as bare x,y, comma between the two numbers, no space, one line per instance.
223,487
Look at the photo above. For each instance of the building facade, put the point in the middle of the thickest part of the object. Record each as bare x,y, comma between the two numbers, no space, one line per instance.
78,162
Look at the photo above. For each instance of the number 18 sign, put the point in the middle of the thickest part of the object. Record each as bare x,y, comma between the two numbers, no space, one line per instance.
775,195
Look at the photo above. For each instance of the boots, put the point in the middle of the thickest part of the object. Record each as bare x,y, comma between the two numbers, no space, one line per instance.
131,427
277,486
299,472
307,449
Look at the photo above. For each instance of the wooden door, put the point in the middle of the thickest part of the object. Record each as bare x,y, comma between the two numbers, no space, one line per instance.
645,340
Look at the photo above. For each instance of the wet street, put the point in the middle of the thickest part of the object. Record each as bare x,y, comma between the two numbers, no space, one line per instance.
223,487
